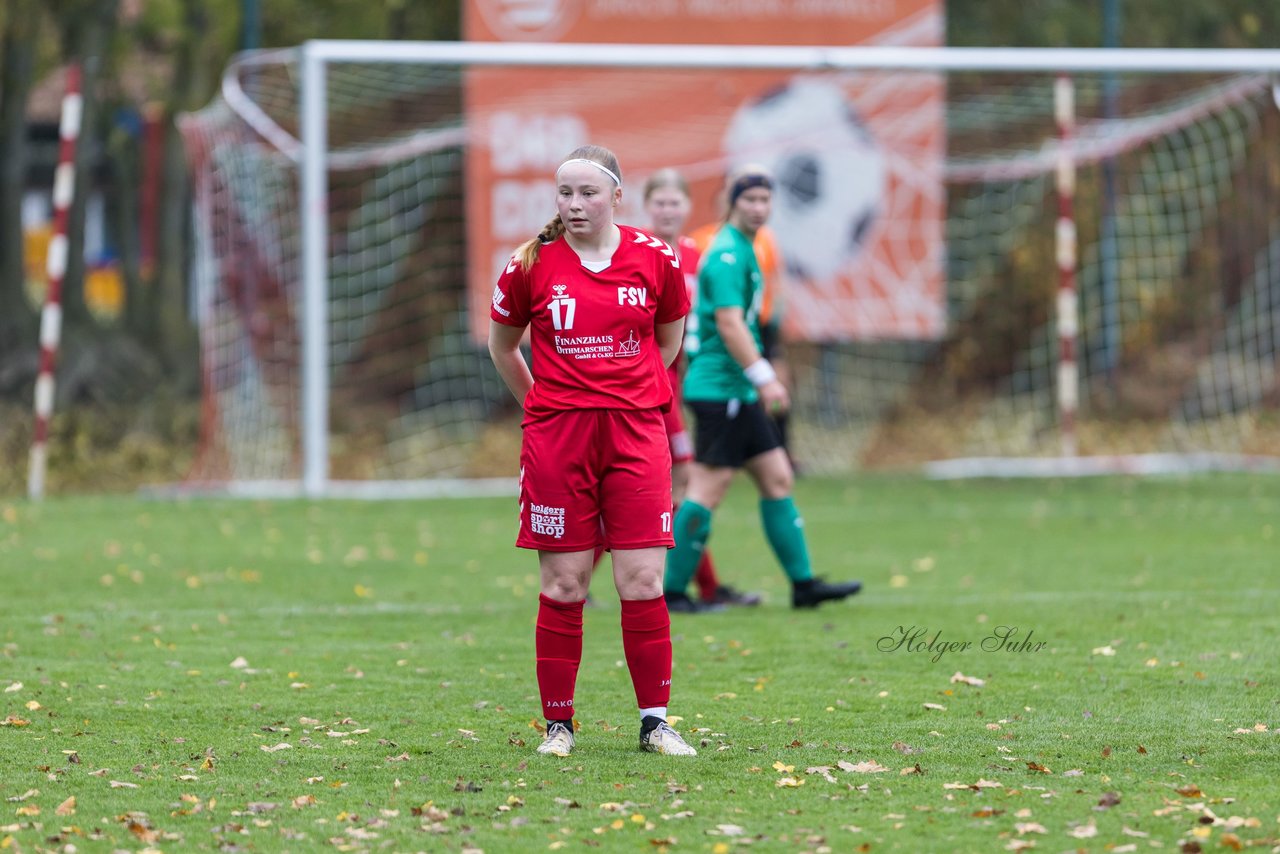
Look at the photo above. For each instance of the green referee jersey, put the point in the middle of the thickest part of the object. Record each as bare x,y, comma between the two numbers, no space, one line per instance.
728,277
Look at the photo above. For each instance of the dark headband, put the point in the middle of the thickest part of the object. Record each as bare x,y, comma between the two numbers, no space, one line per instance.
746,182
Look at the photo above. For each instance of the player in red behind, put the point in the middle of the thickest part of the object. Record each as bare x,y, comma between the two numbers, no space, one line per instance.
605,306
667,203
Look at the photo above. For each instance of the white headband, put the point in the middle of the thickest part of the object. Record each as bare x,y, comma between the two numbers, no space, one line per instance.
606,170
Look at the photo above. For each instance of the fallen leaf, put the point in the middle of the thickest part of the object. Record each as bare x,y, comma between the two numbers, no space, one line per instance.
1108,800
14,688
116,784
824,770
304,801
284,745
67,807
789,783
978,786
935,706
1104,650
869,767
1084,831
1036,766
905,749
1025,827
1190,790
15,721
968,680
29,793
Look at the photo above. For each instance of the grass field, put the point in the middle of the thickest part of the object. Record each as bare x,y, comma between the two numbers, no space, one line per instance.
292,676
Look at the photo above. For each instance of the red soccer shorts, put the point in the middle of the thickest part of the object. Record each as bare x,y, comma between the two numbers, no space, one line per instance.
595,475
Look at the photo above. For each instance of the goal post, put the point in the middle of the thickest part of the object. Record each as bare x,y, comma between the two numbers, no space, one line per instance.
290,123
315,274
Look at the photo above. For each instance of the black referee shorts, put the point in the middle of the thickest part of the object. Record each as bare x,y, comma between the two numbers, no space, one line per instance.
728,433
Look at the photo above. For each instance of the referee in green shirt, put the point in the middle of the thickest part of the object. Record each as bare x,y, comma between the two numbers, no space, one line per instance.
732,391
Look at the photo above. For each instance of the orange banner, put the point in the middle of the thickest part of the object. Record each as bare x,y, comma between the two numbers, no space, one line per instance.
859,202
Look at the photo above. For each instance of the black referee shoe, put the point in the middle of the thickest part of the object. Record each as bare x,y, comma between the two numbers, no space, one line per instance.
726,595
815,591
680,603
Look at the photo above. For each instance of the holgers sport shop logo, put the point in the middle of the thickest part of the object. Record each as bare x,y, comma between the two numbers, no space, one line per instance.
546,521
529,20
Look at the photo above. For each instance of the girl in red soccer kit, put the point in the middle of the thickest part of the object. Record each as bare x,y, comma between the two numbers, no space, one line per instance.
605,306
667,203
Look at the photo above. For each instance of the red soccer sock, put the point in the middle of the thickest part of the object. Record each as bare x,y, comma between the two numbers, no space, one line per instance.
706,578
646,641
558,641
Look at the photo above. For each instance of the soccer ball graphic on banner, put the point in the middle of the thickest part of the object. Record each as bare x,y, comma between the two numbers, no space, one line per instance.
829,172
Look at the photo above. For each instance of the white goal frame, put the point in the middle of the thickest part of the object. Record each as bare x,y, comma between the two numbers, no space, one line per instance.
316,55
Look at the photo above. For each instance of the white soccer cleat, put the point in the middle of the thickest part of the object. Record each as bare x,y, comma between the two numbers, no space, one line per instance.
558,741
663,739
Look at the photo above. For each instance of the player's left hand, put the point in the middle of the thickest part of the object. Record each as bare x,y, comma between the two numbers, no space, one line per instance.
774,398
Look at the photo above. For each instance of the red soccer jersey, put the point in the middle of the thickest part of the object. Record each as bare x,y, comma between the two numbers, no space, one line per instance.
593,333
690,255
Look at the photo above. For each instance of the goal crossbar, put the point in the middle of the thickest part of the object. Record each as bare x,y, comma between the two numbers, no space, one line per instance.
767,57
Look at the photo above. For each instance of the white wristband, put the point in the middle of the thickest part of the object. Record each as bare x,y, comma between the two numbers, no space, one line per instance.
760,372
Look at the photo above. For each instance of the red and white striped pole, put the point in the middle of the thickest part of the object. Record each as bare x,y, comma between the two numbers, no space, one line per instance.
1064,96
64,180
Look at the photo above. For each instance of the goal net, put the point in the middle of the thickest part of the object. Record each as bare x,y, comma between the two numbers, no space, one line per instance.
919,212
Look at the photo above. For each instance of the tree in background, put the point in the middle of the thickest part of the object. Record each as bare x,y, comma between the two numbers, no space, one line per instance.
20,22
142,60
1146,23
